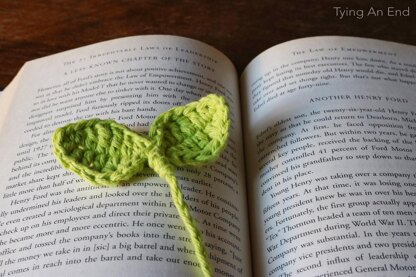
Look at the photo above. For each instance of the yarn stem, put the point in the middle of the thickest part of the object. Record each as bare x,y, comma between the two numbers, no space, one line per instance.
162,167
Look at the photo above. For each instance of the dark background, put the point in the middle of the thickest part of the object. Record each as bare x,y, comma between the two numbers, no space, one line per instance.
240,29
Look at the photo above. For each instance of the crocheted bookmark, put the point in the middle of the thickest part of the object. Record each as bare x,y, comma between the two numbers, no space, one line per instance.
104,152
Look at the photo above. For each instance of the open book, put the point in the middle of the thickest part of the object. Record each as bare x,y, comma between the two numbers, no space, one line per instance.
318,178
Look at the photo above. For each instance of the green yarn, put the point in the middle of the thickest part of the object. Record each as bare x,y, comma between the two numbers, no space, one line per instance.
104,152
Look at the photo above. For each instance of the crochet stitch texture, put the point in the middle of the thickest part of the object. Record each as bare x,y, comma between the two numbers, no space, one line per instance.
104,152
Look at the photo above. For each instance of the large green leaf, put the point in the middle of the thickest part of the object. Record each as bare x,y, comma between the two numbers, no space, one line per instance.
193,134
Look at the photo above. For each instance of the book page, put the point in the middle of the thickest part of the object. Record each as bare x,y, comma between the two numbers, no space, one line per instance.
54,224
330,131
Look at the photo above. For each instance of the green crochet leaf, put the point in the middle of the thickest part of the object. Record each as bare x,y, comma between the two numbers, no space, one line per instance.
103,152
194,134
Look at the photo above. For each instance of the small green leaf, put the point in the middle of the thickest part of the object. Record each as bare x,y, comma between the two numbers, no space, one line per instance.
194,134
103,152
